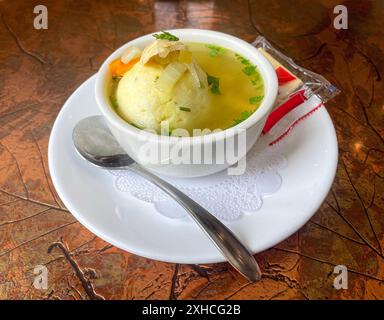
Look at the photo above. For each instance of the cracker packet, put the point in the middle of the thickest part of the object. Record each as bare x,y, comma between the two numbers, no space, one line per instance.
301,92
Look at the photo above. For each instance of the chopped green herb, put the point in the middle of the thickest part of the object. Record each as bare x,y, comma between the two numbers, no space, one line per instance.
215,50
242,59
214,83
185,109
255,99
254,81
249,70
202,86
257,84
244,115
164,35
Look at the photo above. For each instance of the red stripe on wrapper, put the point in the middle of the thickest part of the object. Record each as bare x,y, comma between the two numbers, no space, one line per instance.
295,123
283,76
295,100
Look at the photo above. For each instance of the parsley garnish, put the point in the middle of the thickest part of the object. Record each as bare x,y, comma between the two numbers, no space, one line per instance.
254,81
164,35
214,83
249,70
255,99
242,59
215,50
244,115
185,109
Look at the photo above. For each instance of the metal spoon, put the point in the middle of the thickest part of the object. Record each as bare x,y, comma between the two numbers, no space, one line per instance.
95,143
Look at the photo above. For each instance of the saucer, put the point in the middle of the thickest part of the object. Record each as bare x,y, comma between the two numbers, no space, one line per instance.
131,224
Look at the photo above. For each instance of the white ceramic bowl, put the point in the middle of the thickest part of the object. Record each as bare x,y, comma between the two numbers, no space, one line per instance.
133,140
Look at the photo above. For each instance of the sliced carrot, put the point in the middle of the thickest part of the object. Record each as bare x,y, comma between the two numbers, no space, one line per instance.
118,68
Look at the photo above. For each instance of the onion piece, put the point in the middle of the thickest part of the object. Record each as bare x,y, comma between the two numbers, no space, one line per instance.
203,82
195,77
183,93
198,75
170,75
161,48
129,54
185,90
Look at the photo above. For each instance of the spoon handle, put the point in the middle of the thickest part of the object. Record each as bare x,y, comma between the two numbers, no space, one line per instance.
223,238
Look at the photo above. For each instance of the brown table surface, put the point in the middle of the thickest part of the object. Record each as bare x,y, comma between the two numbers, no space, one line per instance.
39,69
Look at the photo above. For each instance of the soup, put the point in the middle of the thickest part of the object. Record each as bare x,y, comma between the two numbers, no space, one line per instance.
240,83
188,86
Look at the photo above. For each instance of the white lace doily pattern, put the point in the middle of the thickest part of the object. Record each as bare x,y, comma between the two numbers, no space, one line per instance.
228,197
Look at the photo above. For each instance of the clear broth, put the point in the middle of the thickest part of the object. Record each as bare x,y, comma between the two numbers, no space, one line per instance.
239,86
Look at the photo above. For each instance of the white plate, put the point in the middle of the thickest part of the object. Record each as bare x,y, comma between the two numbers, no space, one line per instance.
135,226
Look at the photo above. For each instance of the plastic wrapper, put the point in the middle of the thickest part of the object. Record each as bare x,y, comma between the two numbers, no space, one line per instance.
296,86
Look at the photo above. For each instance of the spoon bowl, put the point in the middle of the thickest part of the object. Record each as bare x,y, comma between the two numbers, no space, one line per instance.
95,142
